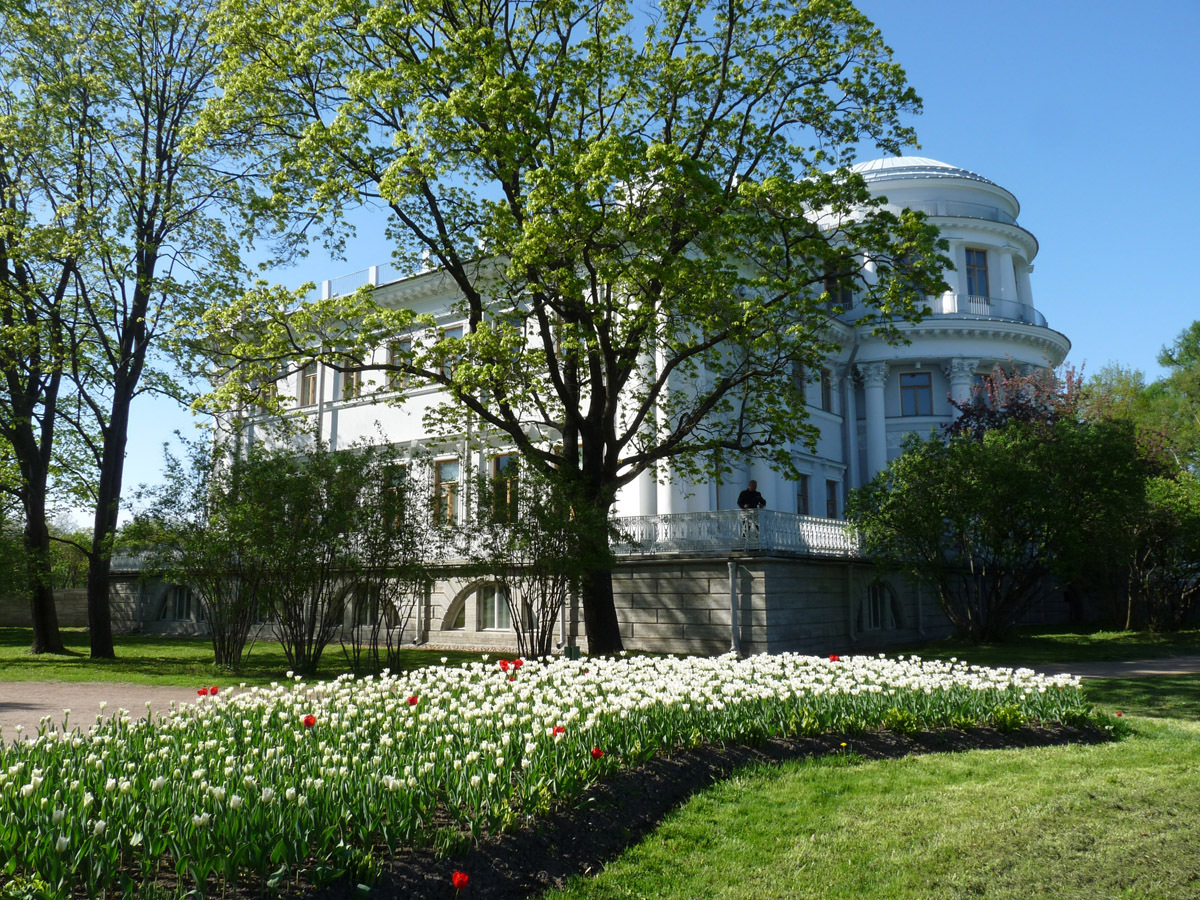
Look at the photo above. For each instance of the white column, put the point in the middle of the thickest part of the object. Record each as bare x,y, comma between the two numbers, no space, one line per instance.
647,494
1024,288
1005,286
961,373
850,426
670,493
874,381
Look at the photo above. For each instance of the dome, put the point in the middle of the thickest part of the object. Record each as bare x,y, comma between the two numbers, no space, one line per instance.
896,167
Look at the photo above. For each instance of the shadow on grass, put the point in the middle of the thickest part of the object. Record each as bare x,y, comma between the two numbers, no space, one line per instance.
1161,696
167,660
1033,647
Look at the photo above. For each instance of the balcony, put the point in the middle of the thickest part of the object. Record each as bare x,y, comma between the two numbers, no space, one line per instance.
969,306
735,531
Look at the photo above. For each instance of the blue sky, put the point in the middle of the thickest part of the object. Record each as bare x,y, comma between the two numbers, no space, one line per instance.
1086,111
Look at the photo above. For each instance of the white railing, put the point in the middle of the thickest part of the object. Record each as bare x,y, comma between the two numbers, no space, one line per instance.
734,530
950,304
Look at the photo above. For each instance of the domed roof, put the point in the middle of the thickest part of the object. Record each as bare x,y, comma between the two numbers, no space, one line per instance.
894,168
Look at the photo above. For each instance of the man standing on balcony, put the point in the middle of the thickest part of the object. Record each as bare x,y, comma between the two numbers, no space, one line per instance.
751,498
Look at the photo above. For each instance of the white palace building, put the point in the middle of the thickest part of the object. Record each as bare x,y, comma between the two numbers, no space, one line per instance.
695,578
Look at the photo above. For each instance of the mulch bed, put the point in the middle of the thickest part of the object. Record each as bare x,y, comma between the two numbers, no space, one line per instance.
622,810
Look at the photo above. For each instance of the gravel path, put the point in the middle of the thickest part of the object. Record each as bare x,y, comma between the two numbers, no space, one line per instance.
24,703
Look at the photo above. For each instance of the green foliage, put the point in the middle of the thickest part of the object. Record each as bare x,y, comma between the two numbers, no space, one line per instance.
986,518
535,538
621,206
299,536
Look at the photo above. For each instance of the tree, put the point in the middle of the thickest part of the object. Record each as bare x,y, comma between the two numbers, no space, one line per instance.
529,535
113,236
1165,569
986,516
633,211
1164,413
396,549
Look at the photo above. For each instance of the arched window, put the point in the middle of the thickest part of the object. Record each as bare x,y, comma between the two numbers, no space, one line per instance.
880,610
492,612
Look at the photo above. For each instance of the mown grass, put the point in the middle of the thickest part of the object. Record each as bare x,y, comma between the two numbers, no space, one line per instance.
1116,820
1033,647
145,659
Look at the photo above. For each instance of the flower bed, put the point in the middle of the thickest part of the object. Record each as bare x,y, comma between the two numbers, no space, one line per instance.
257,785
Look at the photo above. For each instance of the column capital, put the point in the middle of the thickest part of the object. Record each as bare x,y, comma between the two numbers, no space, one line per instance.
961,369
873,374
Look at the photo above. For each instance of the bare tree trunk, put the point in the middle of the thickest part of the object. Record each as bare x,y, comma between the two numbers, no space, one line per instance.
46,637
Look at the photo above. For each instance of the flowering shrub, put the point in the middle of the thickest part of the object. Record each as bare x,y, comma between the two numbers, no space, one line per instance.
258,784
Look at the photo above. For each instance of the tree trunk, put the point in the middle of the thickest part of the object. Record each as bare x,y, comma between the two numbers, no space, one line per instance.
46,637
104,528
600,614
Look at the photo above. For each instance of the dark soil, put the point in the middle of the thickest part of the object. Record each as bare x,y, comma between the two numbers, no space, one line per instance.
622,810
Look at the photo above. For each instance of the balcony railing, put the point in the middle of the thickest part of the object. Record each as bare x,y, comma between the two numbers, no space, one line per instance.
970,305
736,531
990,307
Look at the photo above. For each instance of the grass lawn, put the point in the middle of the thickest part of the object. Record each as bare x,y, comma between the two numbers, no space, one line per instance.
1117,820
1031,647
143,659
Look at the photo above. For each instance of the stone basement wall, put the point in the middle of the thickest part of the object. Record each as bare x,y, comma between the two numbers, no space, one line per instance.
802,605
71,606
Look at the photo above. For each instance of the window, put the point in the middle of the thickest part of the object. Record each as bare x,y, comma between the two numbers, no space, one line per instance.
308,385
881,609
445,492
802,502
840,297
800,380
916,394
398,354
504,475
352,383
977,274
177,606
459,622
493,611
831,499
826,390
367,607
454,333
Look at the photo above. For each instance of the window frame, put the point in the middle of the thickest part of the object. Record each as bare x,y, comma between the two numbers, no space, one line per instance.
977,267
831,498
352,384
309,385
448,333
398,380
803,497
914,393
446,493
505,508
827,390
492,609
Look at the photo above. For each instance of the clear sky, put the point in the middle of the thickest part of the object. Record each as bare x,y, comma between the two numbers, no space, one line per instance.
1087,111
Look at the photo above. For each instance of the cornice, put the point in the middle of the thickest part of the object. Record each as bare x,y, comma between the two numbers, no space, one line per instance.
1053,344
1002,229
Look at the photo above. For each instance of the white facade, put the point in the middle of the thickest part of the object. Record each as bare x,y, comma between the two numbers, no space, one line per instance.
865,399
699,575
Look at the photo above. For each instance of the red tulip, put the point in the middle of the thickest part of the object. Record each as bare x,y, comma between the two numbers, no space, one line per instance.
413,701
459,880
517,663
597,753
504,665
213,691
310,720
203,692
833,657
558,729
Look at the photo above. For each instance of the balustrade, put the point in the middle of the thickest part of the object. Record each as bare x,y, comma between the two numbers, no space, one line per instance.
732,530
